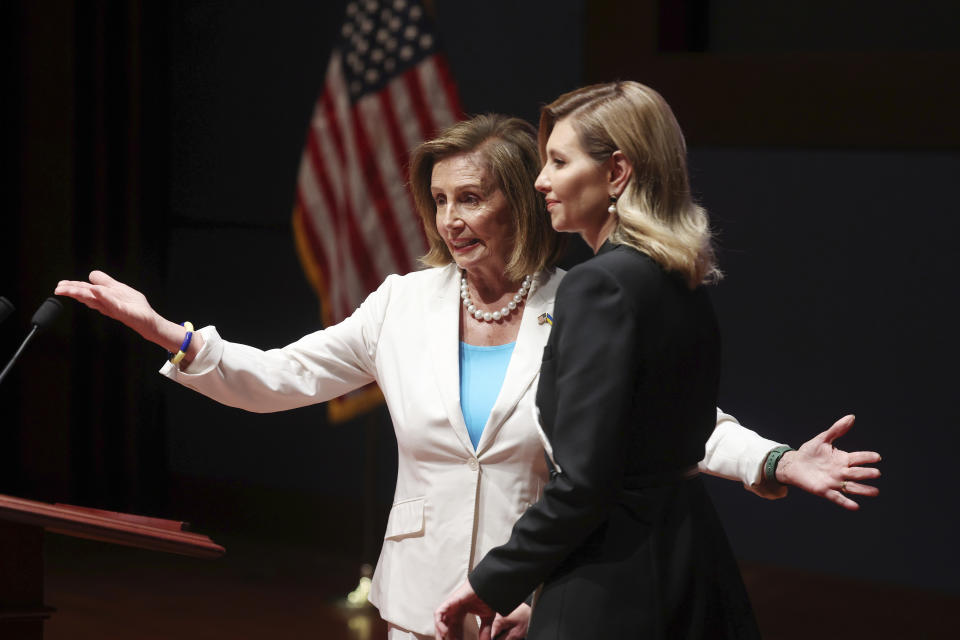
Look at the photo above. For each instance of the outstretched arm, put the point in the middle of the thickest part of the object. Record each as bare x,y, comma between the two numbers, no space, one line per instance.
125,304
316,368
823,470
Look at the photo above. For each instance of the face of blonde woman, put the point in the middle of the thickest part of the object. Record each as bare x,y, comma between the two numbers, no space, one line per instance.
473,216
576,187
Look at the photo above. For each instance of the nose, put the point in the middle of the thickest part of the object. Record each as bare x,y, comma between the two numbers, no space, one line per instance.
447,217
542,183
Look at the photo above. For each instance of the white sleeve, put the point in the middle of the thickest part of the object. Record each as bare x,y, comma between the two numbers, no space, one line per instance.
320,366
737,453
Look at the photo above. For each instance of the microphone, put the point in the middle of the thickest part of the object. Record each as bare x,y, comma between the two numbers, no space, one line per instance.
6,308
42,319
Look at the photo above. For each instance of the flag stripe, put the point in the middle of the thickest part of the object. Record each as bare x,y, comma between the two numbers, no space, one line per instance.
314,256
401,153
449,86
345,280
403,107
381,203
359,255
358,205
420,108
434,94
324,214
378,116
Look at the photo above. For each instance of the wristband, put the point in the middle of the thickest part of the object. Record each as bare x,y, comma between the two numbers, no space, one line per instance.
773,459
176,358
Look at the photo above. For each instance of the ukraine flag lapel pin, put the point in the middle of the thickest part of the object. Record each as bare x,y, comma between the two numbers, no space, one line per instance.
545,318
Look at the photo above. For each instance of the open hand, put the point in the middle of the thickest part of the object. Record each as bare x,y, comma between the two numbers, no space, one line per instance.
821,469
115,300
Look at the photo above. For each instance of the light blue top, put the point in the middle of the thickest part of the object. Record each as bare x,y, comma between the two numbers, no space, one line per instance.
482,370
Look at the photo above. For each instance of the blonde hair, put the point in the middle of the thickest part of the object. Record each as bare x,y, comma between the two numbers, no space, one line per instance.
656,213
508,151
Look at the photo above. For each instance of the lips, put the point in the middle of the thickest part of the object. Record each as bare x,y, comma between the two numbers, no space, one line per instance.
551,203
463,245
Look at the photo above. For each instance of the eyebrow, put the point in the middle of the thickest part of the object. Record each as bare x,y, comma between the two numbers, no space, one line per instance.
474,186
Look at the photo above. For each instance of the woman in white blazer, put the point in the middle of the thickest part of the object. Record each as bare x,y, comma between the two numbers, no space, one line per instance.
460,487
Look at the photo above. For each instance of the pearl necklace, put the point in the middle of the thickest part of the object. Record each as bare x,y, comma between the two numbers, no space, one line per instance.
493,316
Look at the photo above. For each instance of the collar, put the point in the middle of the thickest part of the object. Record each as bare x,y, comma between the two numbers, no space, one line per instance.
607,247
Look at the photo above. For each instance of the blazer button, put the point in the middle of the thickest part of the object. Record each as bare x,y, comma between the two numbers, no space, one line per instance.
473,464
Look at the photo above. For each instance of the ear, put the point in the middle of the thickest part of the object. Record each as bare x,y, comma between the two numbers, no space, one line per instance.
620,173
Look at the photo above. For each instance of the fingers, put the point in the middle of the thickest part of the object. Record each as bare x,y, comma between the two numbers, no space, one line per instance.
80,291
861,473
836,497
486,630
858,458
496,627
511,633
448,622
440,626
71,287
855,488
99,277
839,428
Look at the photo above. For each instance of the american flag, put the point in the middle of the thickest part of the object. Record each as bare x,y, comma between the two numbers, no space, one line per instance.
387,88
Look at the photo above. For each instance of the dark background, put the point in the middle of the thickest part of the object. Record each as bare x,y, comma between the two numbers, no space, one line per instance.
160,143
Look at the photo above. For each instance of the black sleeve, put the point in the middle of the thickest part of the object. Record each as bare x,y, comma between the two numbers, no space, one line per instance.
592,358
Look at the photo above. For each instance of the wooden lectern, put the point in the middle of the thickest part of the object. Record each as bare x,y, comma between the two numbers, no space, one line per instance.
22,525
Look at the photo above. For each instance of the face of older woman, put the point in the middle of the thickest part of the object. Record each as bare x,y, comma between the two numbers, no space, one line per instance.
473,215
576,187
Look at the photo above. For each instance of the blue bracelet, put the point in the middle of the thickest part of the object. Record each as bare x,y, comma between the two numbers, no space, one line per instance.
176,358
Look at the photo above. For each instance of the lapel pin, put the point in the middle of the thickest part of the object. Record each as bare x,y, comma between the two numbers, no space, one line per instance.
545,318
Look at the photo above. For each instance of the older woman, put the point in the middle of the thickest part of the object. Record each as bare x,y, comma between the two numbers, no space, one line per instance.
456,350
624,538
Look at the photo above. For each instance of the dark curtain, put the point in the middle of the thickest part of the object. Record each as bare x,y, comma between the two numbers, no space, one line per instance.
87,145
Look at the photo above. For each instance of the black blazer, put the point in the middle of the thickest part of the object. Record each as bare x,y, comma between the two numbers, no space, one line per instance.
624,542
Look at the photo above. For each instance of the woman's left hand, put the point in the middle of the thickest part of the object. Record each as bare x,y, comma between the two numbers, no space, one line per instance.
448,618
821,469
513,626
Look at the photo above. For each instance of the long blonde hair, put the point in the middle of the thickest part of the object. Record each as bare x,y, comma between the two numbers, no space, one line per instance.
656,212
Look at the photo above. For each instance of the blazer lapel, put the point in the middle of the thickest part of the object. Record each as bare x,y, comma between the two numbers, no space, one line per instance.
527,355
443,344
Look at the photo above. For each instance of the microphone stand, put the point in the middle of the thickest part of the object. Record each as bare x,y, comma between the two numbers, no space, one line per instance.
23,345
42,319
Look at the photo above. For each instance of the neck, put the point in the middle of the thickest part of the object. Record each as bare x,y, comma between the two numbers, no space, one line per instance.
596,237
491,285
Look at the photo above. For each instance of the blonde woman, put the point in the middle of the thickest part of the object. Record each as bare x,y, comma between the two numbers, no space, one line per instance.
624,539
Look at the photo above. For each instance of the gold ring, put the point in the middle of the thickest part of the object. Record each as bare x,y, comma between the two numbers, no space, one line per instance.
843,487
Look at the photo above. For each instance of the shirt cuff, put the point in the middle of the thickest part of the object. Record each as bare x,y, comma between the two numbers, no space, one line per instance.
206,360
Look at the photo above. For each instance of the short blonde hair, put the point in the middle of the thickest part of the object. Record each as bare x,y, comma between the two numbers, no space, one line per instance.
656,212
508,150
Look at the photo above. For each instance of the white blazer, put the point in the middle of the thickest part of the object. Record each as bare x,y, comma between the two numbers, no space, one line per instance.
452,503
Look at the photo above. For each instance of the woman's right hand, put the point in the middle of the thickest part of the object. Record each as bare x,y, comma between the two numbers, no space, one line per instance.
122,303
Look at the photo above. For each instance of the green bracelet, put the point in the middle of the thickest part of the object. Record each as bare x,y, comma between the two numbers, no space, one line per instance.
773,459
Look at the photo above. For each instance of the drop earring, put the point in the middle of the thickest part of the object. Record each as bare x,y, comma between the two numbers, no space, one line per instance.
613,205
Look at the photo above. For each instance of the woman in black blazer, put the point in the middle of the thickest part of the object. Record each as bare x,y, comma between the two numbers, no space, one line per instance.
625,539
